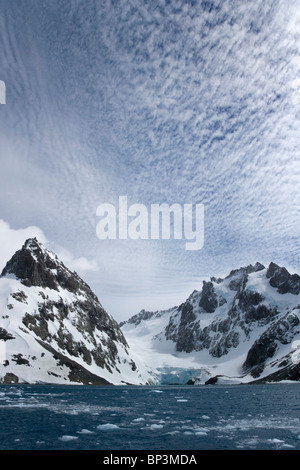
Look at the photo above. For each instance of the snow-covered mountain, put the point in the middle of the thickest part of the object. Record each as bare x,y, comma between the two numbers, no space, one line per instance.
243,328
53,328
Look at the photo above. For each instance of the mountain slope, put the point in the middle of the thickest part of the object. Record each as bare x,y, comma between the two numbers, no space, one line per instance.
53,328
241,328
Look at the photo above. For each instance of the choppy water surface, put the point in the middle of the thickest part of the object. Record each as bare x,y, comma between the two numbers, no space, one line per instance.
142,418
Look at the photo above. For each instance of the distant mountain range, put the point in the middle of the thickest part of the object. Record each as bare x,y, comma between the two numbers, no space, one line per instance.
239,329
53,329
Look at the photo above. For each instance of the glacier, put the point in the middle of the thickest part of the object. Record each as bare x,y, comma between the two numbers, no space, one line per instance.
240,329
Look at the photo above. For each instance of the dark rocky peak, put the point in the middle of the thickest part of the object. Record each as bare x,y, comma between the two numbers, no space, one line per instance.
182,333
209,300
254,310
187,312
145,315
217,280
35,265
238,277
239,273
246,270
138,318
281,279
32,265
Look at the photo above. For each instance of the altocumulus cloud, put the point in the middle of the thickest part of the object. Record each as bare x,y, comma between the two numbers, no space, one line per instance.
177,102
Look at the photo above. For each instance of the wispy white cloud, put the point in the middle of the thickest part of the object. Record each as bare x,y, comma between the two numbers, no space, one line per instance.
185,101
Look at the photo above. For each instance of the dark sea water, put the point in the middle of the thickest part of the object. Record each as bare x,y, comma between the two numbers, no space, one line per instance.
158,418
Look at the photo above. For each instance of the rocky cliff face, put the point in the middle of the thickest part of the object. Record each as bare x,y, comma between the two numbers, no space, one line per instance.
53,327
281,279
242,326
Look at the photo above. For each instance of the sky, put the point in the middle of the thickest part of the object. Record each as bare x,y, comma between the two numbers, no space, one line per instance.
162,101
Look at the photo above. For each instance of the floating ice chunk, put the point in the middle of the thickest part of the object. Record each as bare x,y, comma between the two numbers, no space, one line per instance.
156,391
201,430
68,438
181,400
107,427
205,417
85,431
137,420
156,426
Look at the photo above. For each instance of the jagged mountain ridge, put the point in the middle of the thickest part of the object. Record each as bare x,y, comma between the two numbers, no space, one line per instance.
53,328
241,327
